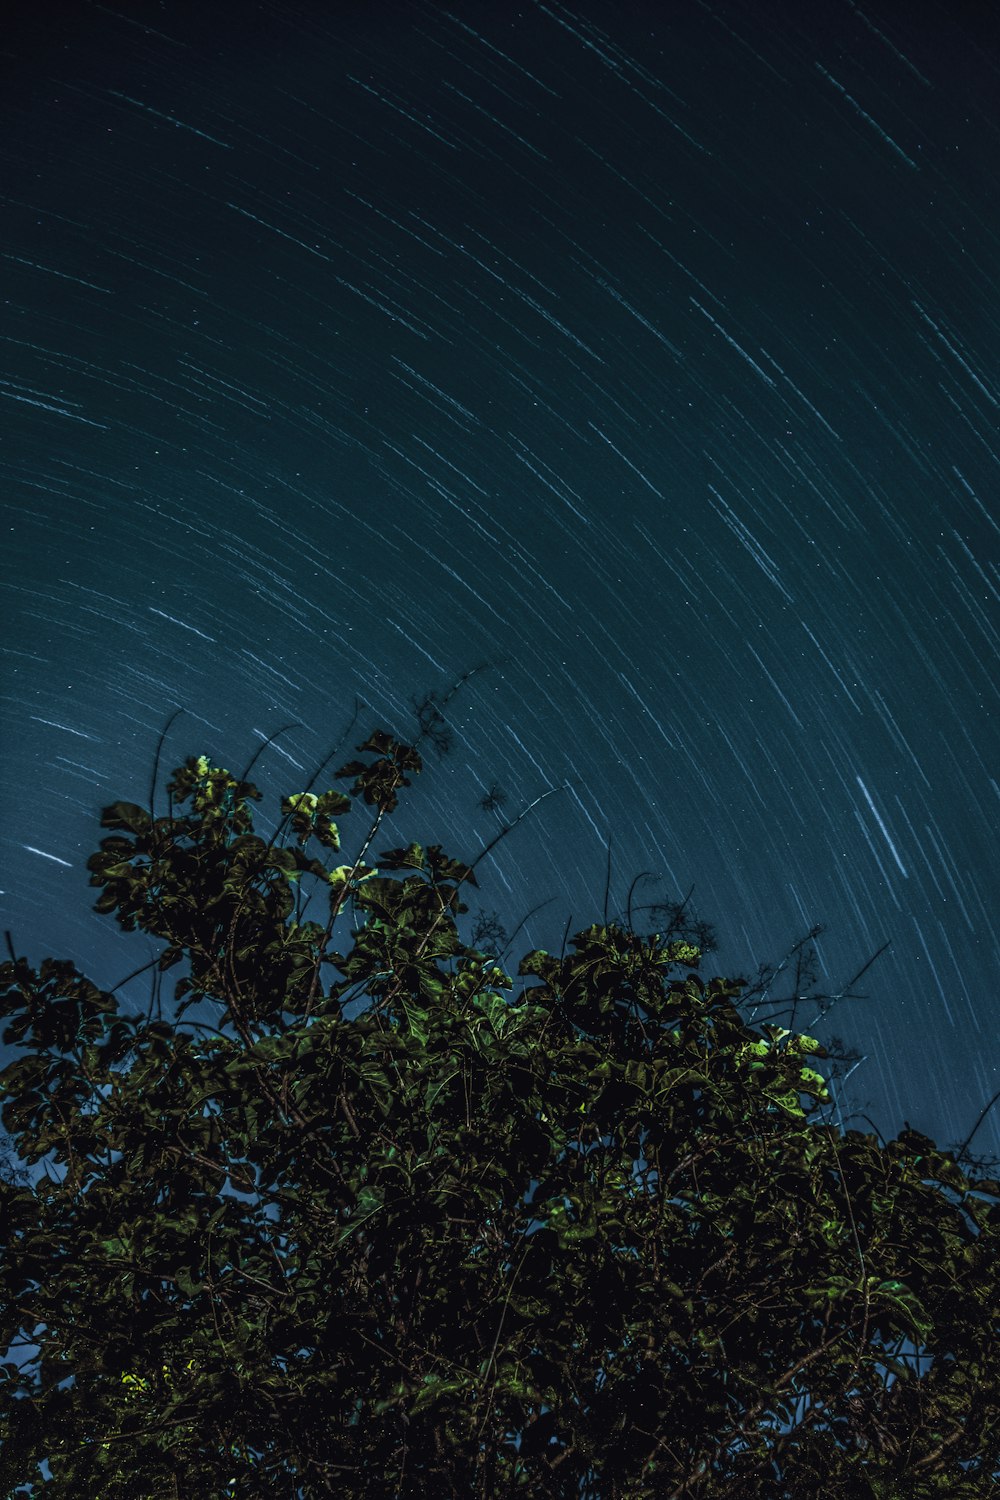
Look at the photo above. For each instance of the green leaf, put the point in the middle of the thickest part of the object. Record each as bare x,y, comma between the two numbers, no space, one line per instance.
126,815
432,1390
416,1020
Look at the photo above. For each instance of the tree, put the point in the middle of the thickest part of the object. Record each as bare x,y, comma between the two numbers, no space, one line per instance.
367,1222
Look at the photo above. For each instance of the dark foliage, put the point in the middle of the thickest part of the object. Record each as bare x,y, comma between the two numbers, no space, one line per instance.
591,1234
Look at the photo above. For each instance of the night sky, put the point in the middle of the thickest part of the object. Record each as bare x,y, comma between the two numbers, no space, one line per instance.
645,351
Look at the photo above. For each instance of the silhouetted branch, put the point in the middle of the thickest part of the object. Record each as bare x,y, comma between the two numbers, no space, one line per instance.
269,741
156,759
982,1116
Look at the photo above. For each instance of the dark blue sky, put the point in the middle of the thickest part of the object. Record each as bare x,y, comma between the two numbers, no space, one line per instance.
650,349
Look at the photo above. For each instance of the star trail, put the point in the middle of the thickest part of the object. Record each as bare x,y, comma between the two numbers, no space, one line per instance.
644,355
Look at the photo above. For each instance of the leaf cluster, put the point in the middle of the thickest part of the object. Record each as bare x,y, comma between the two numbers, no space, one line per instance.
395,1222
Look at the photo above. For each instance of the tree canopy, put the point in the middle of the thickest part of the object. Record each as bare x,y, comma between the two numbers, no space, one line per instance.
390,1223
